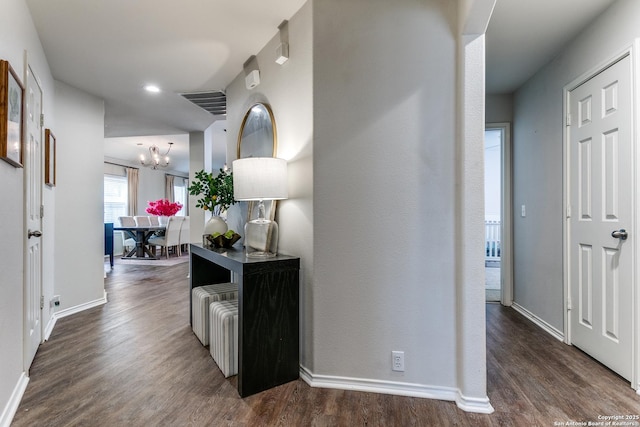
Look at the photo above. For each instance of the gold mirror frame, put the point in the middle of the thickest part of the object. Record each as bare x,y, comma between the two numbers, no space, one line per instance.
252,206
247,117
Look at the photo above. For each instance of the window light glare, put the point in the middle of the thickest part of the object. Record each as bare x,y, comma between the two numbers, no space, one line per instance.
152,88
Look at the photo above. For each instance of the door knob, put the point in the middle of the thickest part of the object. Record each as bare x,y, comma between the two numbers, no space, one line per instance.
34,233
619,234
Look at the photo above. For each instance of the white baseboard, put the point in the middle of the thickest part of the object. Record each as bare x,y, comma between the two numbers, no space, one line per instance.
49,328
474,404
78,308
69,311
397,388
14,401
551,330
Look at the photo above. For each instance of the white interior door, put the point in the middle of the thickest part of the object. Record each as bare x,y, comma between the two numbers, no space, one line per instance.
33,197
601,196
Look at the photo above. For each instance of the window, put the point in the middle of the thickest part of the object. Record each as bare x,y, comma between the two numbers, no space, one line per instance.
115,197
180,195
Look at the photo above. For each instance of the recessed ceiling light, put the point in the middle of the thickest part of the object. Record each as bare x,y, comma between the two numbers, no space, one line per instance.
152,88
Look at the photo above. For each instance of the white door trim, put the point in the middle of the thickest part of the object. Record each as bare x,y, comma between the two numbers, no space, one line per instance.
506,232
632,52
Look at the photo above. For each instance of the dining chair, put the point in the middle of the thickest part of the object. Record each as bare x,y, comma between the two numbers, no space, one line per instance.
171,236
127,221
184,234
127,244
142,221
155,222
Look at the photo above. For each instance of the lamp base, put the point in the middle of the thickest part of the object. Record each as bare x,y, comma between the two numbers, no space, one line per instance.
261,238
258,254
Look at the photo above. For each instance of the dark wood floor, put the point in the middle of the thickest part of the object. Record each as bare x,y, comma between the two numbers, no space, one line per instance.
135,362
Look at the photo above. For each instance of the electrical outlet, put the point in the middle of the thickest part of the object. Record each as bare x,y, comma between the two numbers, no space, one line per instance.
55,301
397,361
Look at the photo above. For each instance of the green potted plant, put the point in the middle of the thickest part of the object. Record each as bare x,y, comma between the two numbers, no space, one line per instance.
215,195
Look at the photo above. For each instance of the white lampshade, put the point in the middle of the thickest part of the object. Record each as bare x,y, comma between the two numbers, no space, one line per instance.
260,178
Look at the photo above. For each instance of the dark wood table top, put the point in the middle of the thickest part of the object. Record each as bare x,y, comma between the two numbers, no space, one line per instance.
142,228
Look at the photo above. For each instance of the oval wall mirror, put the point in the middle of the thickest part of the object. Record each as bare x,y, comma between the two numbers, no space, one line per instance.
257,136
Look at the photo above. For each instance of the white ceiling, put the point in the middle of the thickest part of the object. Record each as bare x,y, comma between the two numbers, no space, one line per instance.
524,35
113,48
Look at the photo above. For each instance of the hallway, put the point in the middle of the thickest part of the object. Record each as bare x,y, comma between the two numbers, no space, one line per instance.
135,362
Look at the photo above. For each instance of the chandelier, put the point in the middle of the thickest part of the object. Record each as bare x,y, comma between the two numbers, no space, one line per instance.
156,159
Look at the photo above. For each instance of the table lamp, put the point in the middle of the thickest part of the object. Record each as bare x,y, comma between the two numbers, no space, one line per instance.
260,178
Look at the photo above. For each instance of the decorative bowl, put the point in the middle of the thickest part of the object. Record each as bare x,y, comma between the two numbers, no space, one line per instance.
220,241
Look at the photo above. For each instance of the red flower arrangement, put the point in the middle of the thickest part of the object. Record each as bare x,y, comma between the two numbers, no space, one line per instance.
163,207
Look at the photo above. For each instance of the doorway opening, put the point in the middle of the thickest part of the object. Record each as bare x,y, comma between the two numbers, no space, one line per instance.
497,222
492,212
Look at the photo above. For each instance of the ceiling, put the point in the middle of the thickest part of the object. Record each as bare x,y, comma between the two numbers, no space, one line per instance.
112,49
524,35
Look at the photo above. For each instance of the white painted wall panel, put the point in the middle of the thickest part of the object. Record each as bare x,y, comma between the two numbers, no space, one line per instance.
79,238
384,190
499,108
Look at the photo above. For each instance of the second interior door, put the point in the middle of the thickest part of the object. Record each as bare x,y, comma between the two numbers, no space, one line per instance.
601,194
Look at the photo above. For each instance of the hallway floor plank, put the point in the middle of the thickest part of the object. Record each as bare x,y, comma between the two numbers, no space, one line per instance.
135,362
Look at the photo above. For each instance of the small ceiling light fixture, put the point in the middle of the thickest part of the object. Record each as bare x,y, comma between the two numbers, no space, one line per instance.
156,159
152,88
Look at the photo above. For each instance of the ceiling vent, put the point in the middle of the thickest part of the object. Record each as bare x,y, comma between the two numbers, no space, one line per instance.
214,102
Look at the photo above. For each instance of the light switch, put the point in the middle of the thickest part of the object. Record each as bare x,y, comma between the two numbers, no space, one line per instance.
523,213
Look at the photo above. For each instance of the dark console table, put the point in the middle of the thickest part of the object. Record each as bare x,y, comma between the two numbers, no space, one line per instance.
268,312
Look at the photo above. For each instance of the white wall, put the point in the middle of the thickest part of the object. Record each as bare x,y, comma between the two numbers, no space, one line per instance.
538,159
207,151
17,34
151,187
371,145
216,136
288,89
385,192
79,238
499,108
197,162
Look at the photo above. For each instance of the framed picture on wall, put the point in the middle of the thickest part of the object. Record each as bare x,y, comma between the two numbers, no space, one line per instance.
49,158
11,115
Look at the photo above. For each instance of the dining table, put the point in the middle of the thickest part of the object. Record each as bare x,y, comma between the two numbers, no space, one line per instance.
141,236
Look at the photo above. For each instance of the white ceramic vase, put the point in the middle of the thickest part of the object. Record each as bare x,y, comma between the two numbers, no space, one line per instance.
215,225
